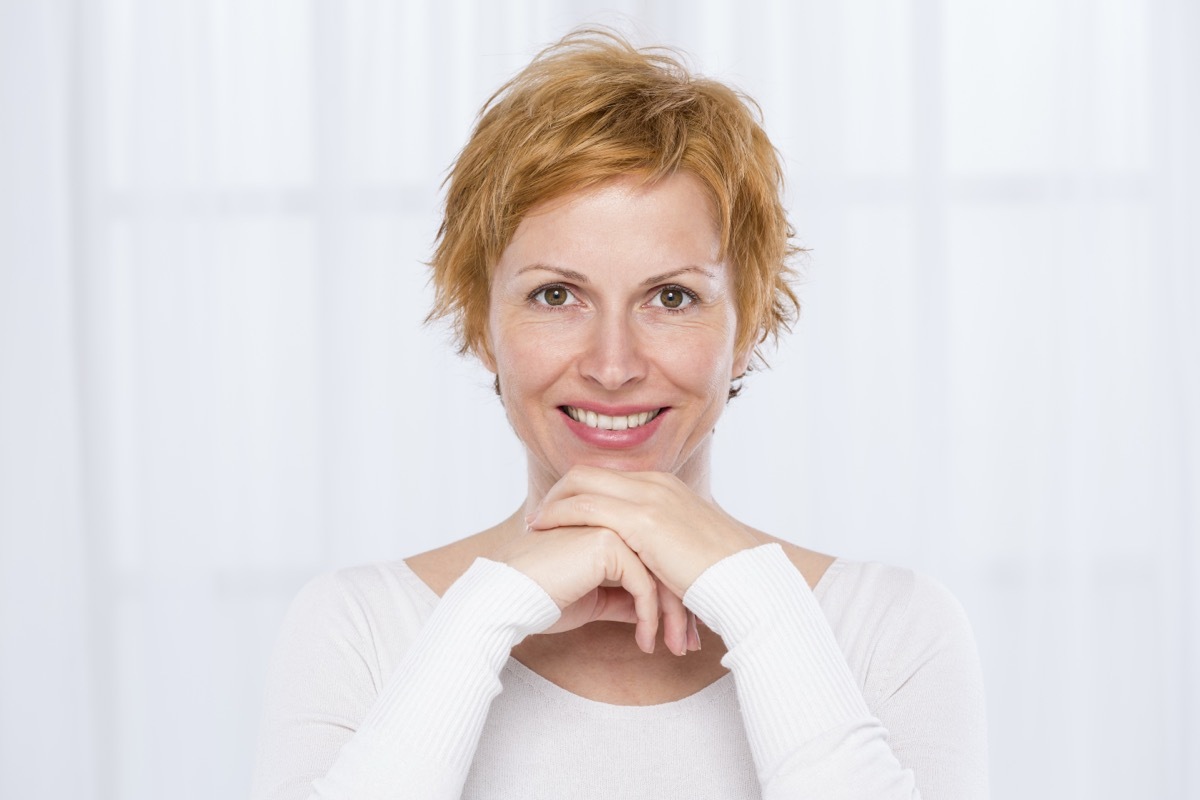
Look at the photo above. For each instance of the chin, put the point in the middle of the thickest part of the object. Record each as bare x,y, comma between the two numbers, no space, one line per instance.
628,461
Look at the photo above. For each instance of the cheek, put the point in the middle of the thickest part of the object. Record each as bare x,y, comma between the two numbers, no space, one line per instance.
529,355
704,351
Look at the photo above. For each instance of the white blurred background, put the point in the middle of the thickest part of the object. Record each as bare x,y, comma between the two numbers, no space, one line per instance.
215,382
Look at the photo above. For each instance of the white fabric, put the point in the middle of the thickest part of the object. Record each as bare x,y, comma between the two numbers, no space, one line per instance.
868,687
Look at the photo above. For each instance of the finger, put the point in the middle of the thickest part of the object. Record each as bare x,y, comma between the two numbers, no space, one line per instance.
597,480
593,511
613,605
600,604
693,637
674,621
638,526
628,570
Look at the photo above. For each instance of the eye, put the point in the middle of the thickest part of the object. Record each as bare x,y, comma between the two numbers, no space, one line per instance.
674,298
553,295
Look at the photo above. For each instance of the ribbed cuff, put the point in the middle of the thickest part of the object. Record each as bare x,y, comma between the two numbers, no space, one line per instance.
435,705
792,679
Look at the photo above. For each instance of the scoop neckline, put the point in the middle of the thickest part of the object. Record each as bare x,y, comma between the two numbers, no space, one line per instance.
578,704
539,683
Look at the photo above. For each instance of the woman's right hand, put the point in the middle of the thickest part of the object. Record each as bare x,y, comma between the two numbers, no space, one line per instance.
592,575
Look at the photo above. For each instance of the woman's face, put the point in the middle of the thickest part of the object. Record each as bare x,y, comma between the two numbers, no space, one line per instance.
612,326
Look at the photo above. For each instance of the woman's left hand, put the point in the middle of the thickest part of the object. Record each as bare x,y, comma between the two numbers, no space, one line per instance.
676,533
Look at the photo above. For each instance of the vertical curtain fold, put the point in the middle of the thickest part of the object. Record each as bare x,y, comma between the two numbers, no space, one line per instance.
47,747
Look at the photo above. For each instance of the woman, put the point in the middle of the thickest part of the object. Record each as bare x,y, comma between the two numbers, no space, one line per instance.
614,248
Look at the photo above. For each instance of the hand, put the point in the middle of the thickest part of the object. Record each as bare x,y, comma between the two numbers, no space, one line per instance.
675,533
591,574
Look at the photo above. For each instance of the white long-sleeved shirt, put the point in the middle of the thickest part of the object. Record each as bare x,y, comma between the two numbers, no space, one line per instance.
867,687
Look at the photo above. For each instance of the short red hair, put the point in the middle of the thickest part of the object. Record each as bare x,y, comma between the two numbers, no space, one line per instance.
591,108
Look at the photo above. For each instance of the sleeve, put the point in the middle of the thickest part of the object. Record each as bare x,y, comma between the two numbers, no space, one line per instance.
928,692
810,730
327,735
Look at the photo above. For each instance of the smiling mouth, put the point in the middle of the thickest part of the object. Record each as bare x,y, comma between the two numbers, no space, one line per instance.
607,423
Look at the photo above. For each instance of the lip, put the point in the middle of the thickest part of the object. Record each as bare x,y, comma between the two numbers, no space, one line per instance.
614,440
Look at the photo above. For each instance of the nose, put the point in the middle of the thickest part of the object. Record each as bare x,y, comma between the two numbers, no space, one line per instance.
614,355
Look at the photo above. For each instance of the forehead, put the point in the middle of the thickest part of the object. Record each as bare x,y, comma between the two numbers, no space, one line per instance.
666,224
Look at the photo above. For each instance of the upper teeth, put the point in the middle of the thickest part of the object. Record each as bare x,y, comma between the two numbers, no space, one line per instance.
605,422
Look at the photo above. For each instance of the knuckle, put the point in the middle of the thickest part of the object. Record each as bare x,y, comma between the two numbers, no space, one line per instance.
663,479
603,538
576,473
662,493
611,538
606,552
584,505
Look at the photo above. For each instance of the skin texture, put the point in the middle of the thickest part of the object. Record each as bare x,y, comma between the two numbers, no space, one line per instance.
615,300
581,315
613,342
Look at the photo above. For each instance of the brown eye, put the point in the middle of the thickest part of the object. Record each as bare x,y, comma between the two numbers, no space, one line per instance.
555,295
673,297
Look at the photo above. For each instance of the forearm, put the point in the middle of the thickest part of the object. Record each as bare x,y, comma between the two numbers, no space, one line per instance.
419,738
809,728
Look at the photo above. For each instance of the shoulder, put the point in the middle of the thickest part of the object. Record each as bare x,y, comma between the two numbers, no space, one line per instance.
865,599
888,598
893,621
363,616
341,638
361,592
864,586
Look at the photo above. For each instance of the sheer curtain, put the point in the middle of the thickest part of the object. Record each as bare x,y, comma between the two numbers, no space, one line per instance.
215,383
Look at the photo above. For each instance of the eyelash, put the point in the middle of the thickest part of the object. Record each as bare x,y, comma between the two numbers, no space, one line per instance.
691,296
536,293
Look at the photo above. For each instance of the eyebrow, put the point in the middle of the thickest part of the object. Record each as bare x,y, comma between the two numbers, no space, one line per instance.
580,278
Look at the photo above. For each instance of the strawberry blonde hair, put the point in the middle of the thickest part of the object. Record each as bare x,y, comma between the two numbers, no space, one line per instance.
592,108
